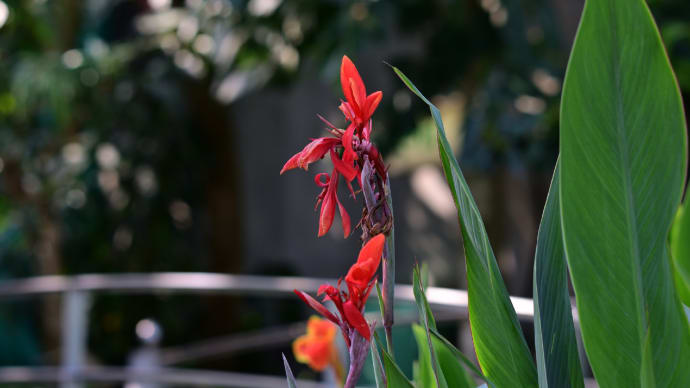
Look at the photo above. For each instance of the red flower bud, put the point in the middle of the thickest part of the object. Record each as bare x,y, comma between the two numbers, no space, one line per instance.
361,273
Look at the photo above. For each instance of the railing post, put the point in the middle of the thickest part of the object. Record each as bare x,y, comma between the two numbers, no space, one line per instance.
147,357
75,329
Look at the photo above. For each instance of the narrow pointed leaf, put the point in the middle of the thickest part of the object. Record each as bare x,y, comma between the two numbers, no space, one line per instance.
288,373
424,377
500,345
622,167
425,314
558,362
460,356
395,378
380,298
426,349
453,372
379,374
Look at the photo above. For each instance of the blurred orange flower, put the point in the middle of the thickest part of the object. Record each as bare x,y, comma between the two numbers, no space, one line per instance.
317,347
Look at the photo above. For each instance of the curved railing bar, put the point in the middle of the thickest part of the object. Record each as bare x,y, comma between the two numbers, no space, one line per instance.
272,337
199,283
177,376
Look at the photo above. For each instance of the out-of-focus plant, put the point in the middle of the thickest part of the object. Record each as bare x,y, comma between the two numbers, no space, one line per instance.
615,190
317,347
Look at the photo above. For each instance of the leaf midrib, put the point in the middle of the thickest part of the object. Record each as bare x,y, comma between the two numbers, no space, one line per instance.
624,159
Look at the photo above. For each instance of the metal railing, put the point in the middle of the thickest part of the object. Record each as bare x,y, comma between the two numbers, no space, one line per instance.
77,290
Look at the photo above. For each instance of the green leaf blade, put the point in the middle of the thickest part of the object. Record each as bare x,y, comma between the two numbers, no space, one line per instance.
379,374
425,373
558,362
428,359
623,156
453,372
395,378
500,345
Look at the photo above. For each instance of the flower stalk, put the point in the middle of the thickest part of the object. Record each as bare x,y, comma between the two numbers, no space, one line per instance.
355,159
358,356
378,218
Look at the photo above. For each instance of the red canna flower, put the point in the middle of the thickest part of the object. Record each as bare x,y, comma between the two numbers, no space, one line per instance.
345,148
359,107
360,280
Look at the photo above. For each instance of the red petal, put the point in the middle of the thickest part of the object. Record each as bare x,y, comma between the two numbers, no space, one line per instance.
365,296
345,218
372,103
313,303
359,275
346,169
328,205
372,249
324,288
349,186
347,110
319,182
348,72
360,96
349,154
366,130
327,213
312,152
355,318
315,151
291,163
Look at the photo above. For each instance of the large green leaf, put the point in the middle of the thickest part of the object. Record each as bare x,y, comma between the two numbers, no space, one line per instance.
558,363
499,343
622,167
680,250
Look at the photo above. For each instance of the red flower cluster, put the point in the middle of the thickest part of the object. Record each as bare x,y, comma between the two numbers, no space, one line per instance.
350,305
346,149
